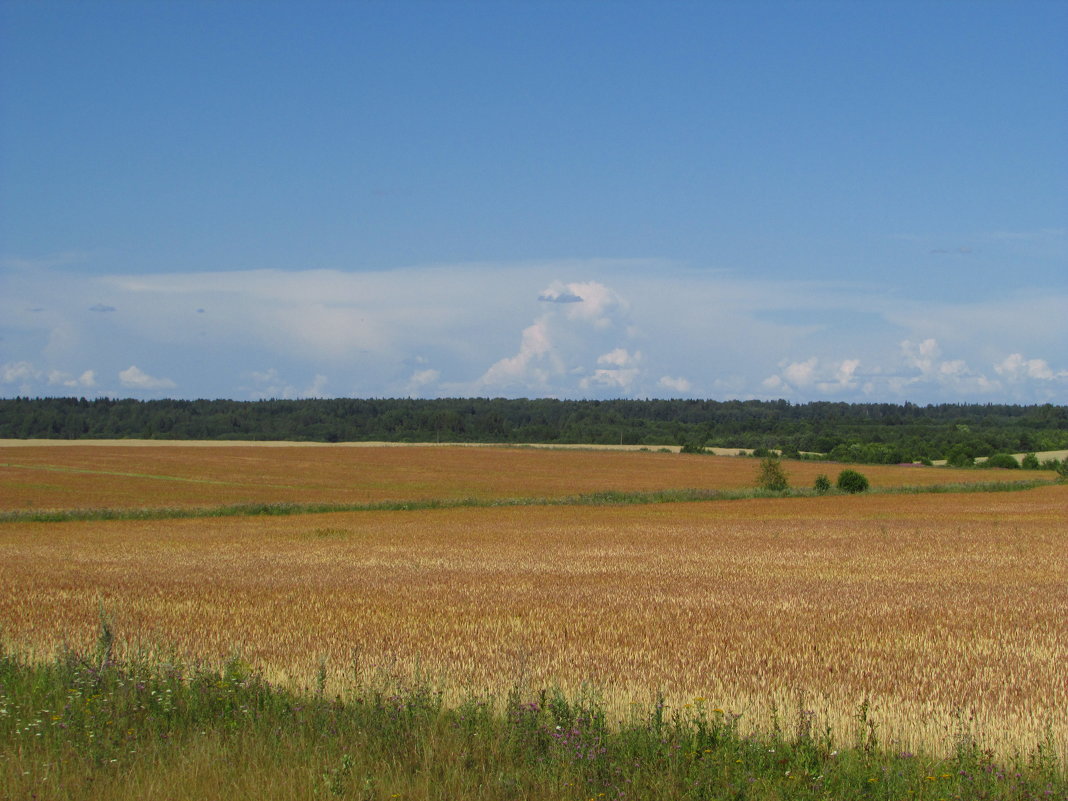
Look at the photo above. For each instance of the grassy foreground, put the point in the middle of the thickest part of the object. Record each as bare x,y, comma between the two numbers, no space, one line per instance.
89,727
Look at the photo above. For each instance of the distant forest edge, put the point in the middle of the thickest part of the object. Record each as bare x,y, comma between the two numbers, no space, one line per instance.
866,432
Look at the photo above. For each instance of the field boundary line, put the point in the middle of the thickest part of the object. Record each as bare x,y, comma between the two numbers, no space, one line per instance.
603,498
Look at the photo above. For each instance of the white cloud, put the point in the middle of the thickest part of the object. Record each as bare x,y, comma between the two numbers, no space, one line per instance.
87,380
531,366
19,372
800,374
679,384
555,349
700,333
270,384
421,379
826,377
134,377
619,357
773,383
1016,368
621,370
922,355
843,379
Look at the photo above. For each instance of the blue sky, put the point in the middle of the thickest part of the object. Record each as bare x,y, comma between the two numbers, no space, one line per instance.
805,200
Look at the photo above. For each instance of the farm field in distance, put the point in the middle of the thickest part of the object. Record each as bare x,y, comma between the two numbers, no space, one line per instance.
135,475
946,613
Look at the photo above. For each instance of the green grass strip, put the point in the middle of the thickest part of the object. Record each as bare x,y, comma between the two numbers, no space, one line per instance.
605,498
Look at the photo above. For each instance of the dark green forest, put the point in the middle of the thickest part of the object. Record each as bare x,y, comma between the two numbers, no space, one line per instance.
866,432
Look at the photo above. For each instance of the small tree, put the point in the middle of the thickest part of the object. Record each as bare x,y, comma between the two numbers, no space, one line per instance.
823,484
693,445
959,456
771,476
1030,462
852,481
1003,460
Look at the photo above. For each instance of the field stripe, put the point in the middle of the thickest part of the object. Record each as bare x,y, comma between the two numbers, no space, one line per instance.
589,499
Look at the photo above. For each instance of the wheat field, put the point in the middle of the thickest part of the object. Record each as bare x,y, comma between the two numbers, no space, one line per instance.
133,475
947,614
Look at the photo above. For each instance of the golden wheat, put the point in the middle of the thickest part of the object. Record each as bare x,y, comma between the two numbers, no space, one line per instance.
116,476
948,613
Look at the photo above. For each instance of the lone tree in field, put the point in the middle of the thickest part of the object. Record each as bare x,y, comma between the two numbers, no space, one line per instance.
852,481
771,476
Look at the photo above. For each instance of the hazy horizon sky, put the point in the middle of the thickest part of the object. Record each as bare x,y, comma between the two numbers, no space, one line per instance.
803,200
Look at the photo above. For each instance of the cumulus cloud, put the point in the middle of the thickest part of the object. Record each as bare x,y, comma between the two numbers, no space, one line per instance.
561,351
700,333
558,296
134,377
18,372
823,376
618,368
680,385
420,380
1016,368
532,365
87,380
800,374
843,379
29,379
619,358
270,384
922,356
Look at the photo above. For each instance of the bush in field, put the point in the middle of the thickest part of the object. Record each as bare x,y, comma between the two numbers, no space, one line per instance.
1004,460
695,445
852,481
771,476
959,456
1030,462
822,485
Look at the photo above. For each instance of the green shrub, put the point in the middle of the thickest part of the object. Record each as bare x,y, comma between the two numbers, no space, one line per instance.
771,476
822,485
852,481
1003,460
1030,462
959,456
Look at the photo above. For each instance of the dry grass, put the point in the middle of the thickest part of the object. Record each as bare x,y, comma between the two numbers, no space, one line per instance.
950,613
120,476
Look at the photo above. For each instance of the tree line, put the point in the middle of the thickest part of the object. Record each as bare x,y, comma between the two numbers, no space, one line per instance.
856,432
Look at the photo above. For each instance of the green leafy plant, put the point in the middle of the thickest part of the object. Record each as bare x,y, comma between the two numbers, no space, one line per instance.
771,476
852,481
1003,460
822,485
